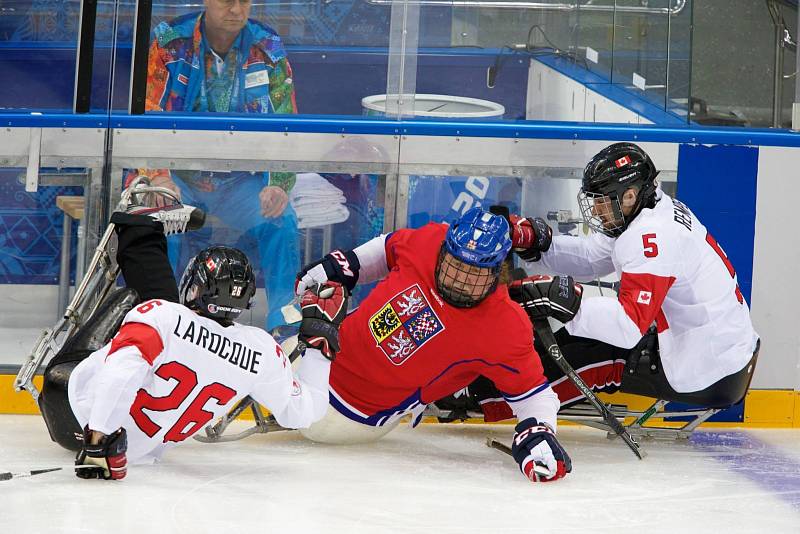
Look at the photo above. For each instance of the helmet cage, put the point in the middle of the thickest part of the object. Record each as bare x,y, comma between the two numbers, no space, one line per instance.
611,228
463,285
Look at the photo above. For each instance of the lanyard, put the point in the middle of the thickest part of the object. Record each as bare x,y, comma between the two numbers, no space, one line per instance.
234,103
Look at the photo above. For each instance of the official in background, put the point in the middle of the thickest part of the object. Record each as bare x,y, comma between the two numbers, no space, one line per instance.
220,61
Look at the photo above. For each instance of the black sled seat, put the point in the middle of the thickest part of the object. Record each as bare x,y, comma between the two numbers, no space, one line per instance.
91,336
645,377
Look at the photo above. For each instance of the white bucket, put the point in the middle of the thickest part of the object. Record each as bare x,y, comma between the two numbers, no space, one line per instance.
443,106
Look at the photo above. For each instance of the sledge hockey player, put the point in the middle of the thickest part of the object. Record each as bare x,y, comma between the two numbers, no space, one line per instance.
678,295
179,359
440,316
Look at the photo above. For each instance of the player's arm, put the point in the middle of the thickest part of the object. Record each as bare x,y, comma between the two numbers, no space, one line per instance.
296,399
582,257
648,269
127,364
535,448
520,378
362,265
299,399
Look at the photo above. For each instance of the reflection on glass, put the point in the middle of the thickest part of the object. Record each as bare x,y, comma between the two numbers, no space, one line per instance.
321,212
557,59
38,52
32,241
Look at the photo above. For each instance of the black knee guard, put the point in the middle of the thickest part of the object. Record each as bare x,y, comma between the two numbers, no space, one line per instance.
91,336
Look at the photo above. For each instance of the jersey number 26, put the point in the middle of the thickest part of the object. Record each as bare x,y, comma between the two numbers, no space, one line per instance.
194,417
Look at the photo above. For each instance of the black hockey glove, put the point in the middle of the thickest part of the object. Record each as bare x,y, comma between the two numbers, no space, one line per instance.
547,296
324,308
540,456
108,456
338,266
530,237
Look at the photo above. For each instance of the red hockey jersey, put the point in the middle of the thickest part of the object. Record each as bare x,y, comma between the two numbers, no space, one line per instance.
405,346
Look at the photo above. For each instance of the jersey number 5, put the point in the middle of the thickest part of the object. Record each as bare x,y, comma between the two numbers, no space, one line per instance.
194,417
650,246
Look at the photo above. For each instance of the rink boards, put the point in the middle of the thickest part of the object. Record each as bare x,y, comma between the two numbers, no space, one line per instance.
739,182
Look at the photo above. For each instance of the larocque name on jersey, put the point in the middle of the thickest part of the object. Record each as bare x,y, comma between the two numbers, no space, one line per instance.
233,352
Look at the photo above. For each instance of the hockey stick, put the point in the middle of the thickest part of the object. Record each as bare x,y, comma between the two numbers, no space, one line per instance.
502,447
542,329
8,475
540,470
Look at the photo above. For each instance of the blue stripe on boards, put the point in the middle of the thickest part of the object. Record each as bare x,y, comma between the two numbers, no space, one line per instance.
718,183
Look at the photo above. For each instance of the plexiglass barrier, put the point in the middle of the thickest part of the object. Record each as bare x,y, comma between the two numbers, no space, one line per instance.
316,101
344,57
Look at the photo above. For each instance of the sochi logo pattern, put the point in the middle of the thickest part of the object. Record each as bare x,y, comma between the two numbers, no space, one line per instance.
404,324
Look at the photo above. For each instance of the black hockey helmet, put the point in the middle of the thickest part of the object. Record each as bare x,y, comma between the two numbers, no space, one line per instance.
218,283
614,170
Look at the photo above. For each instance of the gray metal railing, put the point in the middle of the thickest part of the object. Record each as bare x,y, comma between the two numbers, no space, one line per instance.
544,6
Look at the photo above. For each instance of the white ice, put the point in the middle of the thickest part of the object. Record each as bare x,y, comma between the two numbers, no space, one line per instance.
436,478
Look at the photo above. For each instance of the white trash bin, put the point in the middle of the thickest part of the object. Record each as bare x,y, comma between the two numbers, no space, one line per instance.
443,106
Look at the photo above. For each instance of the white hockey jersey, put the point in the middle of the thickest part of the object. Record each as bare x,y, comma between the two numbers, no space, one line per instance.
673,272
168,372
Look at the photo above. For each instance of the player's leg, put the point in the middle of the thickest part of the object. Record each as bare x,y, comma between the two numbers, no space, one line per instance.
646,377
53,400
336,429
599,364
142,246
142,257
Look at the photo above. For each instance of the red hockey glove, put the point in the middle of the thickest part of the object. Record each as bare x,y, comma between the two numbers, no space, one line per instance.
108,456
339,266
547,296
530,237
324,307
537,451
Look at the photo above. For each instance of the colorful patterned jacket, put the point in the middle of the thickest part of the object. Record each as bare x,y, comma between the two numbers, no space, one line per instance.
175,74
175,68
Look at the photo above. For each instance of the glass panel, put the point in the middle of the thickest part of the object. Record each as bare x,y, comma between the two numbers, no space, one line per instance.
307,56
279,232
38,51
555,60
32,240
550,193
679,66
643,51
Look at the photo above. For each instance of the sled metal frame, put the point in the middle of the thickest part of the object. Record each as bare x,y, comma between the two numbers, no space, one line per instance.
585,415
100,277
215,433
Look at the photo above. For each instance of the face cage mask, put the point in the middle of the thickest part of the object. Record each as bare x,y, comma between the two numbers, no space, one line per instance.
452,276
586,202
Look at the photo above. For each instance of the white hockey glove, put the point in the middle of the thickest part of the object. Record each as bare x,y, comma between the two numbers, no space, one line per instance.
540,456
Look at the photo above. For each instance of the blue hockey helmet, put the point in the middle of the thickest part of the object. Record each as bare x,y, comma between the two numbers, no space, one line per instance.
474,249
479,238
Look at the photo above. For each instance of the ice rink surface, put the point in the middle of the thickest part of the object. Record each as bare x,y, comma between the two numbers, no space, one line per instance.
436,478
